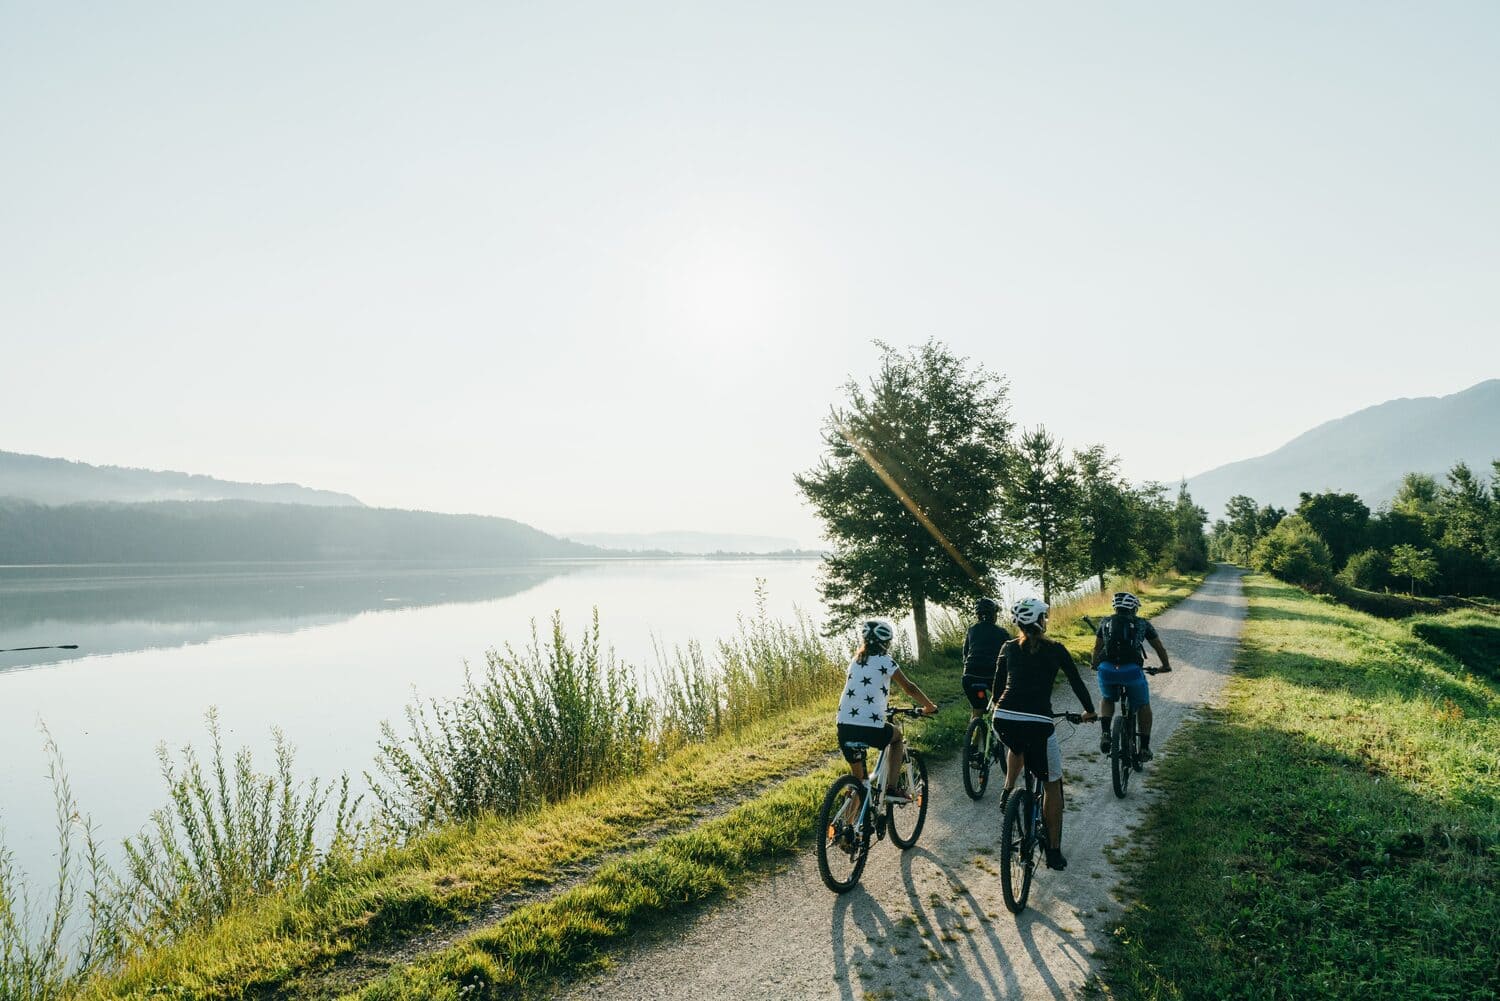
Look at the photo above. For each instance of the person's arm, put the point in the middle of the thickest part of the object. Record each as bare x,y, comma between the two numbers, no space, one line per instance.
963,663
1076,680
1098,650
1161,651
928,706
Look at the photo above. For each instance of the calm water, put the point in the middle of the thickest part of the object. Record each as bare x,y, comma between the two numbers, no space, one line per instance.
323,651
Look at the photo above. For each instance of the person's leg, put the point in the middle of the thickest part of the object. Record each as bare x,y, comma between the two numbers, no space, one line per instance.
1014,765
1052,809
1140,695
894,756
1106,711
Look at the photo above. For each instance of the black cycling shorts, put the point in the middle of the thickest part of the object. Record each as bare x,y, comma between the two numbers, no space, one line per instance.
873,736
978,691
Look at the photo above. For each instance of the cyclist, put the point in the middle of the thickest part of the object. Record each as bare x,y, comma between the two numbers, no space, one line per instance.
861,716
982,645
1023,716
1119,655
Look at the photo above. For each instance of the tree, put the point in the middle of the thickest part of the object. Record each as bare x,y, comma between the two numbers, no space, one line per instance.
1341,520
1041,508
1365,570
1414,564
1104,512
1189,548
1152,528
907,487
1293,552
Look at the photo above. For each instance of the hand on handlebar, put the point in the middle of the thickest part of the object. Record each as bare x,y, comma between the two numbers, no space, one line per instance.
1089,717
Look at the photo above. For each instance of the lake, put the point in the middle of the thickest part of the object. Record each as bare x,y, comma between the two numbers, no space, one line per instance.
323,651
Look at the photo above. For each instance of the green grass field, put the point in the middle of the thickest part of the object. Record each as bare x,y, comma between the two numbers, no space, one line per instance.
1334,831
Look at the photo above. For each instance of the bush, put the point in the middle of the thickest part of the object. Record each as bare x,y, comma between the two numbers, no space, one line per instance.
1366,570
1293,552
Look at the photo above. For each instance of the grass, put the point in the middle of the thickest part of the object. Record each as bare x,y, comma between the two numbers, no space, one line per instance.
1351,844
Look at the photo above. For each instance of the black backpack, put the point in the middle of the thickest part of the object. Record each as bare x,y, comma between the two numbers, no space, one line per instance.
1122,639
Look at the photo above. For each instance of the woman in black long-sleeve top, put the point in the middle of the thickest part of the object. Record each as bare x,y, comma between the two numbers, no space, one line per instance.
1023,716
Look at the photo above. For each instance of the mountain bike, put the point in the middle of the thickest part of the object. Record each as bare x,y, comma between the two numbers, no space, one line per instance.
982,748
1023,835
857,813
1124,739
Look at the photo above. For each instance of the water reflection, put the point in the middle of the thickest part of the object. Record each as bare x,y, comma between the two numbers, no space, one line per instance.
119,609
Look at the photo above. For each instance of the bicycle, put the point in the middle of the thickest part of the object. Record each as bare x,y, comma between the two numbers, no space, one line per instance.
1124,739
842,841
1023,834
982,748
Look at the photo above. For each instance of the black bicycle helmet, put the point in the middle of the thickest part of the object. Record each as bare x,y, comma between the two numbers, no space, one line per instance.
986,608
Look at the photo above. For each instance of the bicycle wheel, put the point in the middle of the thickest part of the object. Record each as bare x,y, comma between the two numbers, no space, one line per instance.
913,814
1017,851
1119,754
976,758
842,849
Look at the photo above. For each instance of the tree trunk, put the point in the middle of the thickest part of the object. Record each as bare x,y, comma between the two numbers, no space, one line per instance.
1101,581
919,625
1046,576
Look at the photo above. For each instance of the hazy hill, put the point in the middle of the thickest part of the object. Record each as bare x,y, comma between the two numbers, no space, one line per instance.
231,530
60,481
685,542
1366,452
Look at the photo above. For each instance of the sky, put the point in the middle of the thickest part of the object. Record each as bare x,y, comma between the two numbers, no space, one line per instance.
606,267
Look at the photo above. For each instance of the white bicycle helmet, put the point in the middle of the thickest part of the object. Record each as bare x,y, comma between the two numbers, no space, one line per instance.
880,632
1124,601
1028,611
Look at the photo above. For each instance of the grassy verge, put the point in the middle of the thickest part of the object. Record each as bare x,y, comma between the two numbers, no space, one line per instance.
446,875
572,932
1350,846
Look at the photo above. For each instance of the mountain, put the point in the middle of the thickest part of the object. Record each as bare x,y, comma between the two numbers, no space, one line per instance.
250,531
59,481
1366,452
699,543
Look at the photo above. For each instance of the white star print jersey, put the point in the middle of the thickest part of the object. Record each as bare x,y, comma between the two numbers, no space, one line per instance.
866,691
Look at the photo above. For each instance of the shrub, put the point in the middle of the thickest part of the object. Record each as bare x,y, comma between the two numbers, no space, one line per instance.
1293,552
1365,570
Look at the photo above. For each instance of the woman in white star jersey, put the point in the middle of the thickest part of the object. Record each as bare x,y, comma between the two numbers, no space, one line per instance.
861,717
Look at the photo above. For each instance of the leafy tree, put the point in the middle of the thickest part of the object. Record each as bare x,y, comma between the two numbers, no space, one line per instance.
1341,520
907,487
1414,564
1104,512
1418,496
1295,553
1464,507
1189,548
1042,508
1152,528
1365,570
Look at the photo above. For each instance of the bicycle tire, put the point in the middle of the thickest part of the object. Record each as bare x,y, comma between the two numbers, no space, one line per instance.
1017,851
1119,756
976,759
832,802
904,810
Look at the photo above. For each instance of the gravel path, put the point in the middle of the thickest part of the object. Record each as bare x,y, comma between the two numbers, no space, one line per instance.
932,923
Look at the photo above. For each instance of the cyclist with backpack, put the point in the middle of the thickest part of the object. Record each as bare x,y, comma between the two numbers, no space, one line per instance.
861,716
1023,715
982,645
1119,653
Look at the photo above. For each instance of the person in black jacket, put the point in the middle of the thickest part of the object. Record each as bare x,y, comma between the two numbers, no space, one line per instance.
982,645
1023,716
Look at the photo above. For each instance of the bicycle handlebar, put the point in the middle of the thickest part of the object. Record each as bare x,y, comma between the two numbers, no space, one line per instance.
1070,717
913,711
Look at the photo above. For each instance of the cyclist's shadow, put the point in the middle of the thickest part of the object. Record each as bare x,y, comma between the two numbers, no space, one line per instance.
964,984
871,918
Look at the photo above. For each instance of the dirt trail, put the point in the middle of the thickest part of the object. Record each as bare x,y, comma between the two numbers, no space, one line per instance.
932,923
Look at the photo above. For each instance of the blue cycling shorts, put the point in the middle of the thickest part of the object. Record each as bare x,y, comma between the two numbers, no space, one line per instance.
1112,676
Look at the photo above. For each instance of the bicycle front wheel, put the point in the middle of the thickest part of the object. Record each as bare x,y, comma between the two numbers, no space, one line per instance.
1119,755
976,758
906,819
1017,851
842,846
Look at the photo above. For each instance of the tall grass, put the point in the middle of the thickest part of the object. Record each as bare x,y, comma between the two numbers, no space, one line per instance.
229,835
42,955
558,716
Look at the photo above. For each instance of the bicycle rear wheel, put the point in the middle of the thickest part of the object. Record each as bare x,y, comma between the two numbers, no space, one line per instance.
976,758
906,819
1018,846
842,847
1120,753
